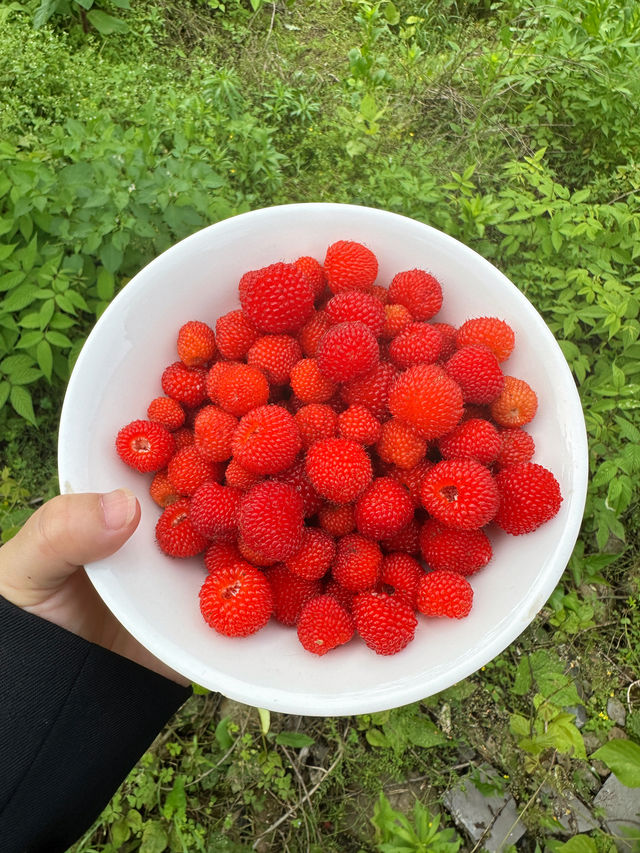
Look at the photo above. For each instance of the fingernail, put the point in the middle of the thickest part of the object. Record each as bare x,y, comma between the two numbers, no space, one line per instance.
119,508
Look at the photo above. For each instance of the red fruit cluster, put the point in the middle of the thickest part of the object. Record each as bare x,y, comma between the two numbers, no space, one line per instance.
335,455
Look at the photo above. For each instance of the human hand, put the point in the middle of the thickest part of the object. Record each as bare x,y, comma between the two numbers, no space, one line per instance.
41,568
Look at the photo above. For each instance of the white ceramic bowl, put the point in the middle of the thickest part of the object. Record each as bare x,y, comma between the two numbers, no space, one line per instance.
156,598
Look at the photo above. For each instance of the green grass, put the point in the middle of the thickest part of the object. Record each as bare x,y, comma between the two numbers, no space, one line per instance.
512,126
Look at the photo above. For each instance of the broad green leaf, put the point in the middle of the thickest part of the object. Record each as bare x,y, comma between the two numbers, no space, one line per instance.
11,280
44,11
623,759
154,838
29,339
44,357
105,284
391,14
106,24
21,401
4,392
6,250
296,740
222,735
578,844
265,720
376,738
22,296
111,257
58,339
176,801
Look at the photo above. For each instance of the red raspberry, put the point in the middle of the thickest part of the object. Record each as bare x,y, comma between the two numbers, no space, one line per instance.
161,490
490,332
516,405
312,270
183,437
358,563
400,576
239,478
235,335
266,440
145,445
358,424
213,429
529,496
214,511
386,623
384,509
449,345
397,318
310,334
337,519
316,421
372,390
187,470
339,469
175,534
187,385
196,344
355,305
236,600
343,596
309,384
271,519
350,265
428,399
253,556
275,355
463,551
290,593
477,372
443,593
516,446
279,298
412,478
380,292
347,351
406,540
418,343
166,411
240,388
315,556
220,554
473,439
296,476
418,291
399,444
461,493
324,624
216,371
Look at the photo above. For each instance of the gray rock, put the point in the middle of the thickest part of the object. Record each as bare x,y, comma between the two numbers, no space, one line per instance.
491,820
580,713
616,711
574,816
621,808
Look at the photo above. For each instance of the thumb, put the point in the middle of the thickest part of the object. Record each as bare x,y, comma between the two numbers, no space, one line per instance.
65,533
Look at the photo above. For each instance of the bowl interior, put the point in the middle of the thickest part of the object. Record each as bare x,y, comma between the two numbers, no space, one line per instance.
156,598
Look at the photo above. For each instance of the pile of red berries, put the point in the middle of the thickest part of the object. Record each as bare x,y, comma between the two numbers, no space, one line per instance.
336,455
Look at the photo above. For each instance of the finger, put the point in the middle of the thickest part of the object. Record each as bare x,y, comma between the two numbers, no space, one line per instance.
66,532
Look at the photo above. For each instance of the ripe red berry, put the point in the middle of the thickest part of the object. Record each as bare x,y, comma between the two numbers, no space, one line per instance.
475,438
350,265
312,270
399,444
529,497
240,388
463,551
275,355
443,593
477,372
339,469
161,490
266,440
397,318
166,411
236,600
358,562
460,493
187,385
490,332
372,390
187,470
418,343
196,344
220,554
296,477
400,576
270,519
290,593
309,384
358,424
418,291
347,351
213,430
310,334
278,299
386,623
145,445
316,421
356,305
516,446
214,511
428,399
175,534
337,519
384,509
238,477
235,335
315,556
324,624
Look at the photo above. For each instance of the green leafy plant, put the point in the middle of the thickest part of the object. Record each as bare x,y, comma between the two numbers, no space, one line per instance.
89,13
396,833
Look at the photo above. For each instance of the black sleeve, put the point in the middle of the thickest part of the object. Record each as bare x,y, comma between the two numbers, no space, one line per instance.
74,719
